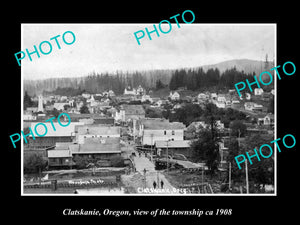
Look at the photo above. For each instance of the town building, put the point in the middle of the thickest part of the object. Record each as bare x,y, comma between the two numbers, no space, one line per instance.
252,106
60,158
172,148
130,112
174,95
202,97
146,98
96,131
61,134
60,105
267,120
129,91
140,90
248,96
152,130
258,91
97,148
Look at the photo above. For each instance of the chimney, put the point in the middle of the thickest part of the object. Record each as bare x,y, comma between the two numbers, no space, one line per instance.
87,131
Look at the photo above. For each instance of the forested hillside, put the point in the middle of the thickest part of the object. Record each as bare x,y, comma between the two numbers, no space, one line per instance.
191,78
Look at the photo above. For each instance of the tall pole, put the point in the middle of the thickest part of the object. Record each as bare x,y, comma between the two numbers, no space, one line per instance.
145,178
247,181
203,179
246,168
167,156
151,146
229,176
157,180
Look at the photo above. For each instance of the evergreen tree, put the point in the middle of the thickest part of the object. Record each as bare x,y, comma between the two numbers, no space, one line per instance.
27,101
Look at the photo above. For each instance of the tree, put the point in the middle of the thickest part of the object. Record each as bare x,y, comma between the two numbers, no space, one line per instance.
205,148
34,164
271,105
259,171
238,128
159,85
84,110
117,161
81,161
66,107
27,101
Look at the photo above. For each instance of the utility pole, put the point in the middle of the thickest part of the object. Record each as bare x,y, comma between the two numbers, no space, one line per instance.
151,146
167,156
145,177
247,181
203,179
157,180
229,176
246,168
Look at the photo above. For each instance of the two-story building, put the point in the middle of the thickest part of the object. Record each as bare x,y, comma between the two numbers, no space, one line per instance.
96,131
152,130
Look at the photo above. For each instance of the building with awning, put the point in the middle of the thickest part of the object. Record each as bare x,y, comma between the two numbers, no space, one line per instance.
173,148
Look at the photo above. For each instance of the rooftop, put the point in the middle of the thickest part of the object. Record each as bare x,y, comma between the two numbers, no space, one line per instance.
59,154
157,124
97,145
98,130
59,132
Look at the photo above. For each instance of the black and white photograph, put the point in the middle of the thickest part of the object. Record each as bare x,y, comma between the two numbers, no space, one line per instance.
161,109
150,113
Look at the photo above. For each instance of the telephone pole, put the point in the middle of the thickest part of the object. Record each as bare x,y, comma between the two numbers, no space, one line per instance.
247,181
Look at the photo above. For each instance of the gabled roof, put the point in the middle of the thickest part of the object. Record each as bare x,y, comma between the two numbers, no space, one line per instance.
59,154
162,125
59,132
96,146
98,130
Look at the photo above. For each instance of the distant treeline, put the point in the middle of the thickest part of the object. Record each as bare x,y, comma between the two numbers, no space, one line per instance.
199,79
195,79
98,82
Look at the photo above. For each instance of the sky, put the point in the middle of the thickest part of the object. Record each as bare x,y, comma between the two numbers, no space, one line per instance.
102,48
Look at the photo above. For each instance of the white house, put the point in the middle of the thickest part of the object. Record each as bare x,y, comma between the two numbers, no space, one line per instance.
220,104
248,96
221,98
174,95
152,130
269,119
273,92
29,117
120,115
258,91
145,98
111,93
96,131
140,90
251,106
86,95
214,96
60,105
202,97
129,91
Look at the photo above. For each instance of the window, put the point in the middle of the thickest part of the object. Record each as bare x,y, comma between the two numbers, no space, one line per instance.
165,132
173,132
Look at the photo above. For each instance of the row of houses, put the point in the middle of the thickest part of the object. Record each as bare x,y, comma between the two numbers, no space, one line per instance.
96,141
